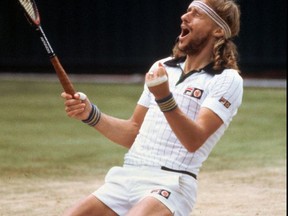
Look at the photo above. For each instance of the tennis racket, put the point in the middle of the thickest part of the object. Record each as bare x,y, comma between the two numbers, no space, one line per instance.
32,14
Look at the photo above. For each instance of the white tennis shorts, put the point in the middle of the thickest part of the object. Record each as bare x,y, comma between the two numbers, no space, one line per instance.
126,186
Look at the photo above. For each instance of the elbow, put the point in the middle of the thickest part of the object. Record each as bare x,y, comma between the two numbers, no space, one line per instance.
193,142
192,147
133,134
126,141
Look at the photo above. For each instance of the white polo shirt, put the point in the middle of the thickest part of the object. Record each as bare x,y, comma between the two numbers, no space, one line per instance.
156,144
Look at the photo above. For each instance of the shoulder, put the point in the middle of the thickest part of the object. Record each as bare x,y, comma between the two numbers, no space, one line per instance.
170,61
232,73
229,75
163,60
228,82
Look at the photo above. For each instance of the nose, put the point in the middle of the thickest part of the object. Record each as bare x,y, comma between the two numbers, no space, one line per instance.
185,17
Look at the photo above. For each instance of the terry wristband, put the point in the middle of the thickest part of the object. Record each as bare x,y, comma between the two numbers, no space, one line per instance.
94,116
167,104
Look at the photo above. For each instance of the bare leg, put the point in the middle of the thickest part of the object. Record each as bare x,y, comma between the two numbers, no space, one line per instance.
90,206
149,206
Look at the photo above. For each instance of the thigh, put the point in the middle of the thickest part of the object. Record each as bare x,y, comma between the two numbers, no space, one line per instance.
90,206
149,206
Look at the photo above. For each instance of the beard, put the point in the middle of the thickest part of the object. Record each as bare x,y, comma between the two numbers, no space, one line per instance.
195,45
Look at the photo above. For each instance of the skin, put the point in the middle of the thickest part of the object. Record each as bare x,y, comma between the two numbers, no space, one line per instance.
197,38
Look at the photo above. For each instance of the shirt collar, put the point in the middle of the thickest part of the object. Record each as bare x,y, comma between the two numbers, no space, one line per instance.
175,62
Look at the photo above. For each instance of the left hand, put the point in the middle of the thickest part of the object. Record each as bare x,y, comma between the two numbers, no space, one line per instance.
157,82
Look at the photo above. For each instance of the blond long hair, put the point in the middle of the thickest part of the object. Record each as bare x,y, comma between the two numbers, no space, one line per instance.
225,52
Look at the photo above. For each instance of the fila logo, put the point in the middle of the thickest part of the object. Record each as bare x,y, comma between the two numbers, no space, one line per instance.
194,92
225,102
162,192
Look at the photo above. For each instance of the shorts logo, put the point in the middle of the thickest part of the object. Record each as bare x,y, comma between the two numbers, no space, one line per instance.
162,192
225,102
194,92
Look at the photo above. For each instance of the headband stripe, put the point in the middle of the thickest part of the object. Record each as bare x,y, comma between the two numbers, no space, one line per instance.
213,15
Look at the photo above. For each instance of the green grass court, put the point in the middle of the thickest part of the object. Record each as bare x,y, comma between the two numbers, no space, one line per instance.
38,140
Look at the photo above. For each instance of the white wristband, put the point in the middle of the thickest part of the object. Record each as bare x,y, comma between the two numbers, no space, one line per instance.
157,81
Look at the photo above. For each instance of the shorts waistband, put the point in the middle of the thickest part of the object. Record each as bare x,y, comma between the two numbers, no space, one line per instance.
165,169
179,171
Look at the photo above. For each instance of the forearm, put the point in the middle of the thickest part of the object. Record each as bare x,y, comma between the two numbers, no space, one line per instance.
192,134
122,132
186,130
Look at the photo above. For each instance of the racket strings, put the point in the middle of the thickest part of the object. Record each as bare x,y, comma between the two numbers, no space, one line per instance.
29,8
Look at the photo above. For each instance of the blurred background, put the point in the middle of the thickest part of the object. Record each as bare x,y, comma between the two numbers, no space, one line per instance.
126,37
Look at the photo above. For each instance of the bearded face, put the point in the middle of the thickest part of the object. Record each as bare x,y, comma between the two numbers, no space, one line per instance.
193,45
196,31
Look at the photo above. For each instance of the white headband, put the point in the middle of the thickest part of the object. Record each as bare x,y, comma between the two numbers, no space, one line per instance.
213,15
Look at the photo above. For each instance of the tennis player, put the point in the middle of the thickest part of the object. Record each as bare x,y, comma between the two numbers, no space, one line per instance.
188,101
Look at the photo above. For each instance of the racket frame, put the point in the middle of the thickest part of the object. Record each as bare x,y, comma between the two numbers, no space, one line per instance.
36,23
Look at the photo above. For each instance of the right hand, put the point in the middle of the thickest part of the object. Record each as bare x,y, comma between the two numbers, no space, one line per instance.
75,107
160,89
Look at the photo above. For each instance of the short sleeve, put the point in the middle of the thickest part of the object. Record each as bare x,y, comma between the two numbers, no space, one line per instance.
145,97
225,92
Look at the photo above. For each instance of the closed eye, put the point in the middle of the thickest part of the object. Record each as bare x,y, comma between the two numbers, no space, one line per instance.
195,12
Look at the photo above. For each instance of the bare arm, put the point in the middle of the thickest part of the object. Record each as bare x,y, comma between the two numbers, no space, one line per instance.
122,132
193,134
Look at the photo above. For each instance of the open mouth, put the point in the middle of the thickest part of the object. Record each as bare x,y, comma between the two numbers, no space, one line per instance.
185,31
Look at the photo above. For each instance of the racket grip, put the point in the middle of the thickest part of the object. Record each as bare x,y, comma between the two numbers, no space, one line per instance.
62,76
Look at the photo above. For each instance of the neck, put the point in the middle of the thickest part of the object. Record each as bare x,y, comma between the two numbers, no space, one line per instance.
196,63
199,60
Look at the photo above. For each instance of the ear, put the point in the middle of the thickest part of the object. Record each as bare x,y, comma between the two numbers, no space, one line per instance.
218,32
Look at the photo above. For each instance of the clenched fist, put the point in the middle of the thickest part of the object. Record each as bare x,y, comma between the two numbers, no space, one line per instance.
157,82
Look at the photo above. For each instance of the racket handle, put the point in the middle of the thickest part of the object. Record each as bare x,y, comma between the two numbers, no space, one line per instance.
62,76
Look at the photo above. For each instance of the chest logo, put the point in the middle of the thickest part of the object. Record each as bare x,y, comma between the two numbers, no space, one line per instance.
194,92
